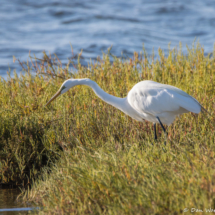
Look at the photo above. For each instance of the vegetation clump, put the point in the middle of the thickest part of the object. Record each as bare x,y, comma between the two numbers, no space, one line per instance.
99,160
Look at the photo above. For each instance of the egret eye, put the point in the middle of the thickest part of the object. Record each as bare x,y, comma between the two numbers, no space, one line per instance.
62,88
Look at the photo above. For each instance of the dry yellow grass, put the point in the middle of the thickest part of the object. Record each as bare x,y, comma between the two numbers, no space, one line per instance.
106,162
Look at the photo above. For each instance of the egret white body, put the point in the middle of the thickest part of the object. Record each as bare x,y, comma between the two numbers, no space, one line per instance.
147,100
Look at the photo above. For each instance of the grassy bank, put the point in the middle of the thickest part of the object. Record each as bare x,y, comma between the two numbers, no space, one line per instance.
105,160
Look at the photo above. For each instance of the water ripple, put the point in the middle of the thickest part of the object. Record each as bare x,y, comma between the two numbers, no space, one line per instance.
96,25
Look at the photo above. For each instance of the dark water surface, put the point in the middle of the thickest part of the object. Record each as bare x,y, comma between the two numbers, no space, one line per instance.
9,204
94,26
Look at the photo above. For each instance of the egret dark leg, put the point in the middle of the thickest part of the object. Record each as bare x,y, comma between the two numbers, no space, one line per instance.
161,124
155,131
162,128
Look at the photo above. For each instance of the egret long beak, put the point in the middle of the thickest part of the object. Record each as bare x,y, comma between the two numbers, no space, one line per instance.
54,97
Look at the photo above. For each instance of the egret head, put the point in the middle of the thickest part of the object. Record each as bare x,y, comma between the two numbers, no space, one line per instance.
64,88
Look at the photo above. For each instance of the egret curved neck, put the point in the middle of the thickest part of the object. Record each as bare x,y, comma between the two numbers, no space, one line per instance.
112,100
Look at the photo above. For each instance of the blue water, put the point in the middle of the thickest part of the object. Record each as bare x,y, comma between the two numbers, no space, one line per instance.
50,25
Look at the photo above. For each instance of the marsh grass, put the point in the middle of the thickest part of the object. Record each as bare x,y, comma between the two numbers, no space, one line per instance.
100,160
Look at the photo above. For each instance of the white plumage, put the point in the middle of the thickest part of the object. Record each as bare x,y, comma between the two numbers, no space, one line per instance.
147,100
151,99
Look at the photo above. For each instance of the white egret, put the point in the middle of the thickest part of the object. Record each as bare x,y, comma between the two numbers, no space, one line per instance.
147,100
